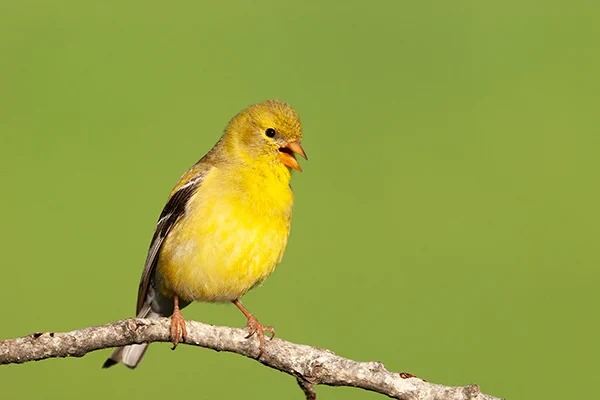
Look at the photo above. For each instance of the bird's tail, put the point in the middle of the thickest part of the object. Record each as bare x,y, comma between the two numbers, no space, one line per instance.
131,355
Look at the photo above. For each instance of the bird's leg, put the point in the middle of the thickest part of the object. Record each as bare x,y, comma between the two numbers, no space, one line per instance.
255,327
178,330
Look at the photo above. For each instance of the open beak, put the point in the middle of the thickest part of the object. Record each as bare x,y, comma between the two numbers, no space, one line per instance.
287,155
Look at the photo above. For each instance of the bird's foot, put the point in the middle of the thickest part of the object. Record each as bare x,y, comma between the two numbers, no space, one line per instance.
178,330
255,327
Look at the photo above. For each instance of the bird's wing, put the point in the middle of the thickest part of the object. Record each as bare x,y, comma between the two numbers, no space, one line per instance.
173,211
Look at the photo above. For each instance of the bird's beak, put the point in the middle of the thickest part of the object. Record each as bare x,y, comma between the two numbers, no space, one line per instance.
287,156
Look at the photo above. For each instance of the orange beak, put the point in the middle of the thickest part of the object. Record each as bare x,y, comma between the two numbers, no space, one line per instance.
287,155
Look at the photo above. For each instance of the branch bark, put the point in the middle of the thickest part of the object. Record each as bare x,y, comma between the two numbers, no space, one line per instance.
309,365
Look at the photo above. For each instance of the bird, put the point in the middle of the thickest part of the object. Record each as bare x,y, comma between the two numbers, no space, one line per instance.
225,225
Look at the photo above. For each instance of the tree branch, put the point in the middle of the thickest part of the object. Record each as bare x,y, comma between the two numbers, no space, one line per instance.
309,365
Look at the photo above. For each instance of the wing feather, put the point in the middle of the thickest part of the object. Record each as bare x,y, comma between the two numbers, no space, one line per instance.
170,215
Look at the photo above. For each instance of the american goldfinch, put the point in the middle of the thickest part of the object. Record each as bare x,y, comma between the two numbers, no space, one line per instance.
225,225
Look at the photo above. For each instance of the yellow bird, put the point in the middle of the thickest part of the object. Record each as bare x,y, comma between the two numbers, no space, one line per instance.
225,225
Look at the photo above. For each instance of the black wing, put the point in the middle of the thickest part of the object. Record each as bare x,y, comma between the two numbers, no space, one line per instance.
173,211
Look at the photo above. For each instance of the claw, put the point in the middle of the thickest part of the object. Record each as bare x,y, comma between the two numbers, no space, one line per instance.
255,327
177,330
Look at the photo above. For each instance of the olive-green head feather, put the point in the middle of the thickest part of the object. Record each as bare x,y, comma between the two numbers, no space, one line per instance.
267,132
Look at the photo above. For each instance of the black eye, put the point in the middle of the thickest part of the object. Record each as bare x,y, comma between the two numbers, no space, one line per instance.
270,132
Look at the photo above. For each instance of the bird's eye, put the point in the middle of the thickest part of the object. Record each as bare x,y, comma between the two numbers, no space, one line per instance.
270,132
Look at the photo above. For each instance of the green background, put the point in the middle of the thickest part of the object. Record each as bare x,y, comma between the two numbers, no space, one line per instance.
446,223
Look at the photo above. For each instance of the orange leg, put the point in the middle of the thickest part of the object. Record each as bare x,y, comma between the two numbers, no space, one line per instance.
178,330
255,327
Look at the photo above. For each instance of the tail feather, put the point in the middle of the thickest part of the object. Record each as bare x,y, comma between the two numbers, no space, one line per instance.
156,306
131,355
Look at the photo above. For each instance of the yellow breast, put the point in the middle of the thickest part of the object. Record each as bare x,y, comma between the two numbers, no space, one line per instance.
231,238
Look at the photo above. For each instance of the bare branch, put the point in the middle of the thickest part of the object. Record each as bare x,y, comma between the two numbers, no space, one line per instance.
310,365
307,387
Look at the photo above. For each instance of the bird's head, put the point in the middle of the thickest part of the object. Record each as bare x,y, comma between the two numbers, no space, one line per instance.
266,133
